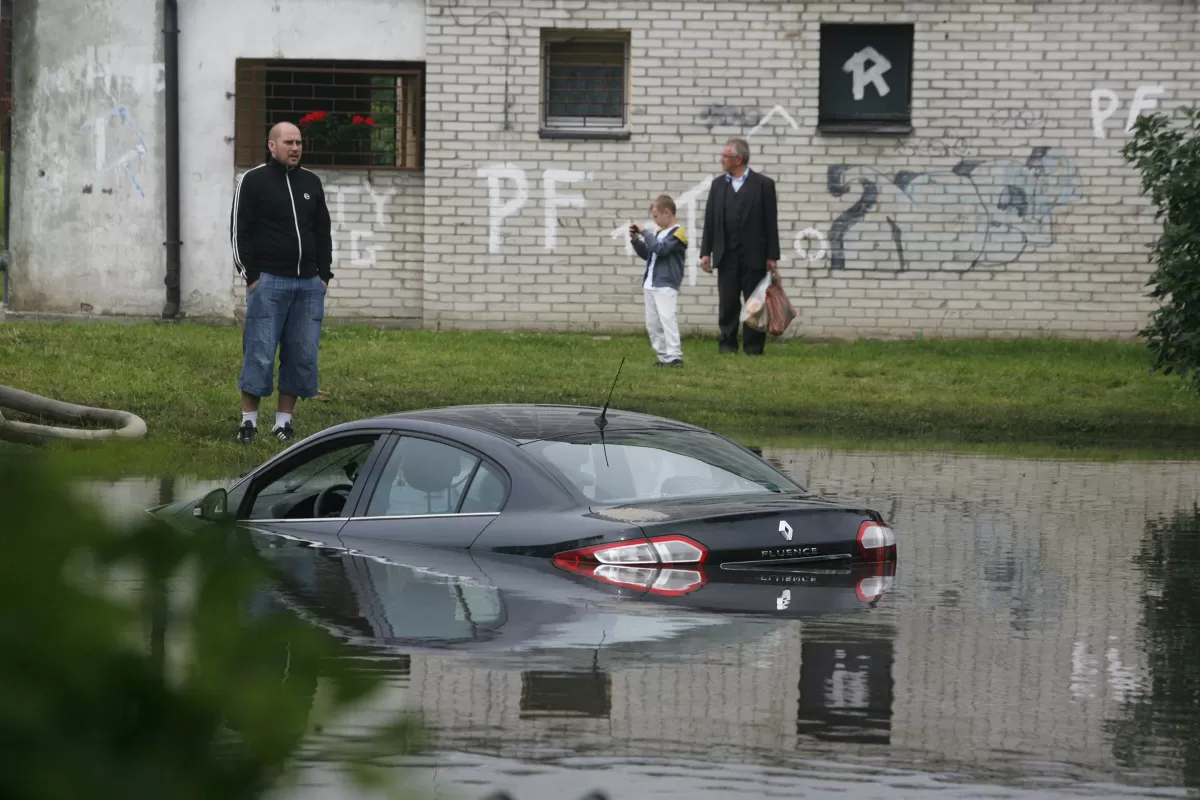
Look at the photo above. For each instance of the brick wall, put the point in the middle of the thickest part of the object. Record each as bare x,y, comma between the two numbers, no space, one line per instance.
1003,213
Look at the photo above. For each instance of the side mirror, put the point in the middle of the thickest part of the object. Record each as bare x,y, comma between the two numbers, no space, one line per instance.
212,506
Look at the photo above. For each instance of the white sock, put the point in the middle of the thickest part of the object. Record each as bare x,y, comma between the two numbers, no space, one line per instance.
282,419
251,417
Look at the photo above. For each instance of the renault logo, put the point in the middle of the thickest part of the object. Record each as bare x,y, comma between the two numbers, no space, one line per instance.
785,529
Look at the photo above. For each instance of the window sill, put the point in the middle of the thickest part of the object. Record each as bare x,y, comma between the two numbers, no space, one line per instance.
617,134
882,128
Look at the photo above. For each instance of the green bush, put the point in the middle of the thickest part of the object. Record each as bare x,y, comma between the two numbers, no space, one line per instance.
148,660
1166,150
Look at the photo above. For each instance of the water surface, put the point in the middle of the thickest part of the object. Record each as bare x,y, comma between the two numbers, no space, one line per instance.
1041,639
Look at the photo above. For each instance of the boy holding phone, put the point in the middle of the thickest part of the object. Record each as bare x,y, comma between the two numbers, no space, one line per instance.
665,253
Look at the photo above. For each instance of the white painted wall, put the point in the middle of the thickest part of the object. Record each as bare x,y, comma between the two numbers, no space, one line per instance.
88,205
87,216
385,30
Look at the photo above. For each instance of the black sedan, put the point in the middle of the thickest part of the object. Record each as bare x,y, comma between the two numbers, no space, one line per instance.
615,496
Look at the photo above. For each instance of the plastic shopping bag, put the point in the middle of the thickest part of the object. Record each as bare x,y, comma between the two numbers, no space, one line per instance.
754,310
779,310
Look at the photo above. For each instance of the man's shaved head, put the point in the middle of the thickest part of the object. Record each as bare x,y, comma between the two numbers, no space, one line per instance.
285,144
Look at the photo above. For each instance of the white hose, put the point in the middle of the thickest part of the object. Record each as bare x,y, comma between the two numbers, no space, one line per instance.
128,426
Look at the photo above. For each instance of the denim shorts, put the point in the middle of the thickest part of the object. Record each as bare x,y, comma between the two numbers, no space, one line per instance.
284,314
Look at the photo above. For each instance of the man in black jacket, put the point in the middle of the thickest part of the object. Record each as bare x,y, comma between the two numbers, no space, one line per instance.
741,239
282,246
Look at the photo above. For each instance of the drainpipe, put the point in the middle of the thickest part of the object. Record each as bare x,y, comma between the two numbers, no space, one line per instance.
171,69
4,260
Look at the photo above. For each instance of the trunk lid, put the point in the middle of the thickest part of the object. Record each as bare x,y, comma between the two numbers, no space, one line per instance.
755,531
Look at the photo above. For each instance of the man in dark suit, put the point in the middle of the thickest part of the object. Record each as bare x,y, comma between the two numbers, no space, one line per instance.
741,239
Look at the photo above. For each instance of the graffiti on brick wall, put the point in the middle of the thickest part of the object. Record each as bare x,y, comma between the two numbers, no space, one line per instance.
740,116
980,213
377,198
1106,103
505,202
1023,120
939,147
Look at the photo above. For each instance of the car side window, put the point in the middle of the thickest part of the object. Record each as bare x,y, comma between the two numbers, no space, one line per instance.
486,493
323,476
422,477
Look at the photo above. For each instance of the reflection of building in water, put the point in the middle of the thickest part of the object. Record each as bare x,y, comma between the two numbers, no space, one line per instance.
780,695
1018,608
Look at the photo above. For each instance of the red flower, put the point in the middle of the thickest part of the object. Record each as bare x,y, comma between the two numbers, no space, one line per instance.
369,120
358,120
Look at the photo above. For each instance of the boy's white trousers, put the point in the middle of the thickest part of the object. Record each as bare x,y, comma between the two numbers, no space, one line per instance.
661,322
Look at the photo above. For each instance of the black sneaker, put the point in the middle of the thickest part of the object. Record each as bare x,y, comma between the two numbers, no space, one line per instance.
246,433
675,362
284,434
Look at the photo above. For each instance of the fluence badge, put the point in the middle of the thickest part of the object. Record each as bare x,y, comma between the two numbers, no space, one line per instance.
306,197
785,529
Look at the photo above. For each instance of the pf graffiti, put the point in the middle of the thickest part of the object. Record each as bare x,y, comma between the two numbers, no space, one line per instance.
1106,102
501,208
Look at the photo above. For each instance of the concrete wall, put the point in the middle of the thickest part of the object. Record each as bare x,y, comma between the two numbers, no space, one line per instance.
1008,86
88,206
87,211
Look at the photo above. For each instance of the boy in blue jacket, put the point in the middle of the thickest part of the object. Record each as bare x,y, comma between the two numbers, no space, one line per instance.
665,253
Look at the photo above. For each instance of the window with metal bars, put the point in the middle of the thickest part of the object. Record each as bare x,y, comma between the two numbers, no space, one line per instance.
351,114
584,82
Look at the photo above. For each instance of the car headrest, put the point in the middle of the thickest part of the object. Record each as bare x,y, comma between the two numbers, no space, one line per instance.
429,466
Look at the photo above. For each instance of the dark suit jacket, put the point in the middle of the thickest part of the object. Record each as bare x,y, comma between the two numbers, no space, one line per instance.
761,214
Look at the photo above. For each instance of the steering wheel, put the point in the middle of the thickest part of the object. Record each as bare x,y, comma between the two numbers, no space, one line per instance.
326,493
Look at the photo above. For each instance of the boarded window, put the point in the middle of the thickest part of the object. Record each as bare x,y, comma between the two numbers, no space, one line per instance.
866,78
584,82
359,114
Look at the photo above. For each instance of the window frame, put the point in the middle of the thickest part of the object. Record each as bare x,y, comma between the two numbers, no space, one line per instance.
251,489
563,127
882,124
386,452
252,117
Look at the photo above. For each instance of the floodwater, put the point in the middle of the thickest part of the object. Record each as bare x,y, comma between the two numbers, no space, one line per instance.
1041,638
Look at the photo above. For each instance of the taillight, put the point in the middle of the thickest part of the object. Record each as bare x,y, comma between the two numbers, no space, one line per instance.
660,550
876,542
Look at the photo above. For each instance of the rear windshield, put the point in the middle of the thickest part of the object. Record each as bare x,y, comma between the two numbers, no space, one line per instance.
657,465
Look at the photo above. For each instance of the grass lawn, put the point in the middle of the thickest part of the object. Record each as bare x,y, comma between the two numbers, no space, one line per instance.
1034,397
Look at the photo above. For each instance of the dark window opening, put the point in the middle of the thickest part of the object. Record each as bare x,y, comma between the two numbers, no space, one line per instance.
584,84
566,694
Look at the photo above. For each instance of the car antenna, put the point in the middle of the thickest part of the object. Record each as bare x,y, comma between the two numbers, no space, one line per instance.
602,420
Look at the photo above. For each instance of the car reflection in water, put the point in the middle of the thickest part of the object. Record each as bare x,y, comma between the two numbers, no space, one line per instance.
565,635
414,596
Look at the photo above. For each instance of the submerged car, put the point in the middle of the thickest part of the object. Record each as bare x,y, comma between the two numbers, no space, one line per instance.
626,498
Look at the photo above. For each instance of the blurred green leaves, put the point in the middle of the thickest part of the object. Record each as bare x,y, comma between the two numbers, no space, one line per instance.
151,660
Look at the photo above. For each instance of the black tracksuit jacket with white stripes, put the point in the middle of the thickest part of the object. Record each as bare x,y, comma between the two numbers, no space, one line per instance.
280,224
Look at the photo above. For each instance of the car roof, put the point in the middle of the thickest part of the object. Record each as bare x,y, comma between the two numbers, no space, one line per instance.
532,422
